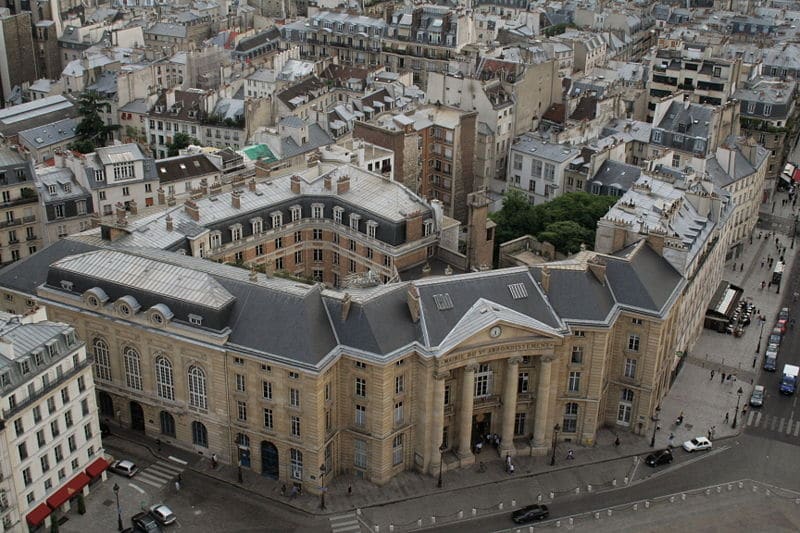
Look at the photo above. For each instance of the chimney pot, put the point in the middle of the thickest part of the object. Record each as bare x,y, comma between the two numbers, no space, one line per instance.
343,185
296,184
236,201
169,223
252,185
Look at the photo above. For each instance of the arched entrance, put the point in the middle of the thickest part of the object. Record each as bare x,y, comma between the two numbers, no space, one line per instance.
105,403
269,460
243,445
137,416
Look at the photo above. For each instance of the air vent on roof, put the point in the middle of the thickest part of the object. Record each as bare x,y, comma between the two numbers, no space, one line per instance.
443,301
518,291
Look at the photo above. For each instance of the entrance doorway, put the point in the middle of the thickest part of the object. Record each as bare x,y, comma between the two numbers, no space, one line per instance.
137,417
481,426
269,460
105,403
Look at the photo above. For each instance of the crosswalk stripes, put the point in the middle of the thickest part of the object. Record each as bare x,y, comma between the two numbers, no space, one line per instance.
750,417
158,474
774,423
345,523
789,427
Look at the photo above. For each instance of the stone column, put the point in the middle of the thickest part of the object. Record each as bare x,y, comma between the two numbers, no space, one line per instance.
509,407
542,402
465,412
437,421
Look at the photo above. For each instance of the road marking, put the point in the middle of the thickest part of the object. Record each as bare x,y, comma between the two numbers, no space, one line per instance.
179,461
165,469
149,482
750,417
797,429
780,428
774,423
758,419
789,427
135,487
345,523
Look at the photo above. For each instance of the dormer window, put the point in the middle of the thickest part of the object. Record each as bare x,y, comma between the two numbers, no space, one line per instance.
656,136
67,187
236,232
257,224
95,297
66,285
127,306
160,314
24,367
354,218
337,214
69,337
216,239
277,219
51,189
51,350
427,227
372,228
317,210
297,213
38,358
196,320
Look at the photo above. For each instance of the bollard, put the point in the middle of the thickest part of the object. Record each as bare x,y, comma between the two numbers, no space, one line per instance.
460,515
588,488
552,495
614,482
755,489
647,504
767,492
730,487
539,498
741,484
377,528
433,520
513,503
558,523
797,501
635,506
391,528
708,491
571,521
358,512
597,516
719,489
419,522
500,506
625,481
609,512
577,490
672,499
474,511
683,496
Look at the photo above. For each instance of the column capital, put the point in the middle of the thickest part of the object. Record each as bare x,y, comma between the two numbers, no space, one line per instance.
471,367
514,360
441,374
548,358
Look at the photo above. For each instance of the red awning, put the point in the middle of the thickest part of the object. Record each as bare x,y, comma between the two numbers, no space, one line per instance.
39,513
68,491
96,468
796,175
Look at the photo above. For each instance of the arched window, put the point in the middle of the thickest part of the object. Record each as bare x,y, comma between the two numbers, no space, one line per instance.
165,384
102,360
133,370
297,463
199,434
167,424
198,396
570,418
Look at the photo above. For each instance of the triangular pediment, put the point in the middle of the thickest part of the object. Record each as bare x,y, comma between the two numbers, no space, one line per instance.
484,315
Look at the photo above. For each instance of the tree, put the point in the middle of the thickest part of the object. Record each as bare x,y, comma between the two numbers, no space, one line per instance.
180,141
567,236
91,130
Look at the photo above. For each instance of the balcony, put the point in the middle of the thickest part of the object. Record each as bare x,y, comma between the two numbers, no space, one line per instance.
47,389
21,201
10,223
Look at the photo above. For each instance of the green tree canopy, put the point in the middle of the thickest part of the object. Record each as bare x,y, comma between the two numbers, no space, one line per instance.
91,130
180,141
566,222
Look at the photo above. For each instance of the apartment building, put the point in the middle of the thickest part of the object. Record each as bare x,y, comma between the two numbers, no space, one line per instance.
20,212
66,206
767,113
50,450
537,167
182,176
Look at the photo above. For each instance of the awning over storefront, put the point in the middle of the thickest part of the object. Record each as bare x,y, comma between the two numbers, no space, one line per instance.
69,490
796,175
39,513
723,304
96,468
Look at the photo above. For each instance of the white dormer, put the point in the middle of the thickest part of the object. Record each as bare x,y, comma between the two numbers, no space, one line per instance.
257,225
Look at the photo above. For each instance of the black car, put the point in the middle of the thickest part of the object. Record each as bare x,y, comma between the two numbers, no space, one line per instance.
143,522
530,513
662,457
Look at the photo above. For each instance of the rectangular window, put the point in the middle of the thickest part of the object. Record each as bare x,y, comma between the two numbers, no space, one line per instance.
359,453
447,394
65,395
68,418
241,410
483,381
398,413
630,368
45,462
574,383
399,384
71,443
54,429
240,383
84,407
295,426
519,424
633,343
522,382
22,448
268,418
577,354
87,431
317,255
361,415
40,439
397,449
26,477
19,428
361,387
294,397
636,321
266,387
51,405
317,234
59,453
37,414
298,257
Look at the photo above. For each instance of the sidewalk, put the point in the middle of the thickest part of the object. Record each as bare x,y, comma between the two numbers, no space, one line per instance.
411,496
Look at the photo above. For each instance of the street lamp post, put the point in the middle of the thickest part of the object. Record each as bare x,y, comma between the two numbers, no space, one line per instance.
760,335
655,419
794,231
442,448
322,471
119,510
556,429
736,414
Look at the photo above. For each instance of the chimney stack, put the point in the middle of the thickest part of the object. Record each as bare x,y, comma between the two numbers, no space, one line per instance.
252,185
413,302
169,222
191,208
327,182
296,184
346,302
545,279
133,207
597,265
120,212
162,197
236,201
343,184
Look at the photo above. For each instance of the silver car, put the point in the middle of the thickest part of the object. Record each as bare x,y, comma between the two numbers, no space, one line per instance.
124,467
757,398
163,514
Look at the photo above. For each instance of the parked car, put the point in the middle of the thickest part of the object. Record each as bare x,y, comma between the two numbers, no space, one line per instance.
530,513
757,398
697,444
783,314
774,339
124,467
163,514
662,457
105,430
143,522
781,326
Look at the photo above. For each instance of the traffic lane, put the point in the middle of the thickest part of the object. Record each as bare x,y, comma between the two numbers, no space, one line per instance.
746,458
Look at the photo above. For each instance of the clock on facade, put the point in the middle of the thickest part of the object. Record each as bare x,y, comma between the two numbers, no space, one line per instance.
495,331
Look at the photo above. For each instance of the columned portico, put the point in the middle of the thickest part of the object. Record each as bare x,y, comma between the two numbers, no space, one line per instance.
542,402
465,413
437,421
509,406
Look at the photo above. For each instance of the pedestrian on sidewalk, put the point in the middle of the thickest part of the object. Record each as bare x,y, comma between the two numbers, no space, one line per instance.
570,455
283,490
293,493
671,440
213,460
762,266
349,490
734,266
763,283
722,380
712,375
713,431
727,417
741,267
158,444
616,441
